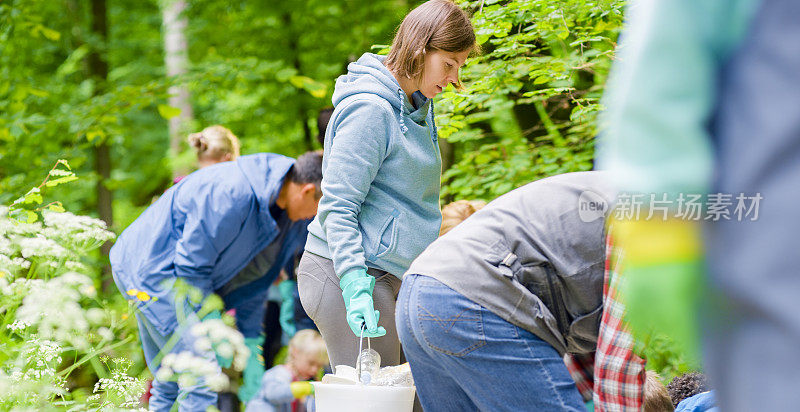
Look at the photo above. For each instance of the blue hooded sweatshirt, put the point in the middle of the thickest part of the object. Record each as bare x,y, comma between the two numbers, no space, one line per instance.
205,230
381,174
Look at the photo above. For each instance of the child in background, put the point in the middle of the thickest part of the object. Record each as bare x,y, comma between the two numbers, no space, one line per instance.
458,211
282,387
656,397
690,393
686,386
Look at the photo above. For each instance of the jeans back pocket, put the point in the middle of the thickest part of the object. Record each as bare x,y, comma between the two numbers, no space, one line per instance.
450,323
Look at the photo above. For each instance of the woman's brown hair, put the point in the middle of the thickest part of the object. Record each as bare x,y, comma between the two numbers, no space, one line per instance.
434,25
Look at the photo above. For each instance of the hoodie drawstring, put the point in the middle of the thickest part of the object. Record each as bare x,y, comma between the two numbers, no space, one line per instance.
433,125
403,126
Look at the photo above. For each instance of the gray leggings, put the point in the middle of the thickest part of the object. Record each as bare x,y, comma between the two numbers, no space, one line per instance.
322,300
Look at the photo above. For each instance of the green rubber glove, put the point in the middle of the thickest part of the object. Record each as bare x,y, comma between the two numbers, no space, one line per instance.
357,288
254,371
664,280
223,361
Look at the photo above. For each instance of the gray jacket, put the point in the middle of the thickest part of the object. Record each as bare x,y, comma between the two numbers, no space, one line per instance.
535,257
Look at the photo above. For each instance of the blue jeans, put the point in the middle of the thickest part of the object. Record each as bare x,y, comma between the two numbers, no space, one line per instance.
464,357
164,394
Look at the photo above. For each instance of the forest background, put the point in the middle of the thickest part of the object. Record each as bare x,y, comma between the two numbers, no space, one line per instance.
114,87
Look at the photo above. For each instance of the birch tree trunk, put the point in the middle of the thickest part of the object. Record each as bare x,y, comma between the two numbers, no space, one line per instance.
176,60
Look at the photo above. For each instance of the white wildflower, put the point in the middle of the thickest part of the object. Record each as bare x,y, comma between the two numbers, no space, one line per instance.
96,316
202,344
18,325
6,247
225,340
218,382
70,222
83,231
13,265
54,308
13,228
122,386
164,373
21,263
186,380
75,266
105,333
188,369
41,246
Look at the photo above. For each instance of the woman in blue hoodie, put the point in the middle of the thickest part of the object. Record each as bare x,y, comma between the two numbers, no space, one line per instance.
380,190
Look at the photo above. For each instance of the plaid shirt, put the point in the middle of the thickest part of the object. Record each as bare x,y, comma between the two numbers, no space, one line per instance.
613,376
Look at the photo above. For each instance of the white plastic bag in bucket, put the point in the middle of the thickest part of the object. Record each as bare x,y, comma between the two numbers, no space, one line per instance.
331,397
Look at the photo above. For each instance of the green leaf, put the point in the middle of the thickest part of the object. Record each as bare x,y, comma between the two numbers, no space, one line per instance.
50,34
168,112
56,207
541,80
61,180
24,216
285,74
94,134
33,196
64,162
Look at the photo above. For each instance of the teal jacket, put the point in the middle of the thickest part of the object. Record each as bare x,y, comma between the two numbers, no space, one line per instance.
381,174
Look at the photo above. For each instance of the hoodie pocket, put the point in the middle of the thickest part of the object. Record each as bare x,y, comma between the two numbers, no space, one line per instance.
387,241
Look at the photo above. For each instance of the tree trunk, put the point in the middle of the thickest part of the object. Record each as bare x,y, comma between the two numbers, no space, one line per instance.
302,107
98,69
448,154
176,60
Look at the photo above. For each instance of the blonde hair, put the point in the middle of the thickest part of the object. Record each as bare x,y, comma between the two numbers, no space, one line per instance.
458,211
309,341
434,25
214,142
656,397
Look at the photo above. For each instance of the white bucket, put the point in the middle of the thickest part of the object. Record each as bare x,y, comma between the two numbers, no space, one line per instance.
331,397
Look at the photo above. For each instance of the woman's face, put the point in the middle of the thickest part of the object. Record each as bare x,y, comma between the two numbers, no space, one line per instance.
440,69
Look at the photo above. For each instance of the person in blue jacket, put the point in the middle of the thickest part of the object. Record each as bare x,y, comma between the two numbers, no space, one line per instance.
382,175
224,229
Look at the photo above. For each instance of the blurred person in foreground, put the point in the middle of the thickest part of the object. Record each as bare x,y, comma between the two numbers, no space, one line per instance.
225,229
704,102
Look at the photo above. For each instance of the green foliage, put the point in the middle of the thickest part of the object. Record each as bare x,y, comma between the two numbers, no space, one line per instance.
28,207
667,358
531,98
69,347
57,328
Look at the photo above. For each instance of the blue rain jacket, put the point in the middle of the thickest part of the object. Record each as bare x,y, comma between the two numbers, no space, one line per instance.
205,230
